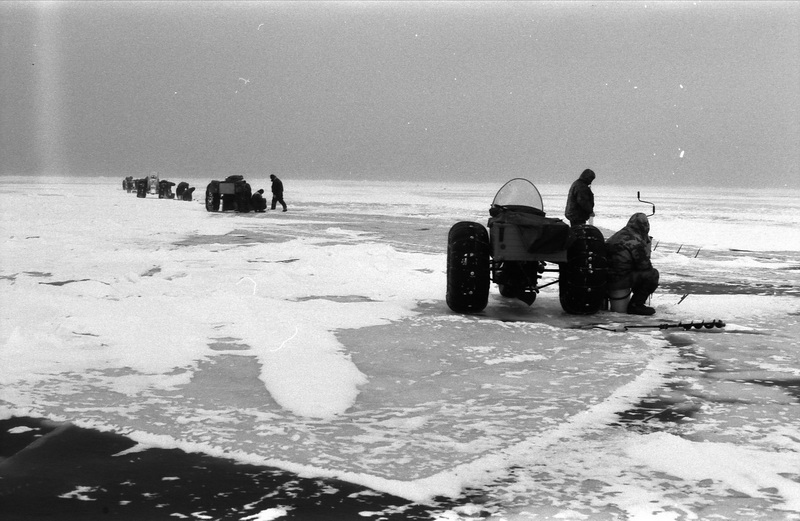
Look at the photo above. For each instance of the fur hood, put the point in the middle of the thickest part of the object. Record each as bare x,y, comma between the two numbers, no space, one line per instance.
639,224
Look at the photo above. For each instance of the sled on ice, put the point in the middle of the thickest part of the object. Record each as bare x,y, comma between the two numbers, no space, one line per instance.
233,193
516,248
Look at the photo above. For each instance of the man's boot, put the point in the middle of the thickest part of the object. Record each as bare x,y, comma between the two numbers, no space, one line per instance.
637,307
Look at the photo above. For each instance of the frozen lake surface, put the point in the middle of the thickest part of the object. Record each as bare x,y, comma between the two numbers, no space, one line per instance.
318,341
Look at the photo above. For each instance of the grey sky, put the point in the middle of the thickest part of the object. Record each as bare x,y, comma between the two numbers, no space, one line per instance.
646,93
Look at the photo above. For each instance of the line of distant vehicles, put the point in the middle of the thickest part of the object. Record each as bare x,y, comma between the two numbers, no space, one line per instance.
153,185
232,194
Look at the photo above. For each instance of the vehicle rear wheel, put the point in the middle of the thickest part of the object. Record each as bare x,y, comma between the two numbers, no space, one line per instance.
467,267
582,279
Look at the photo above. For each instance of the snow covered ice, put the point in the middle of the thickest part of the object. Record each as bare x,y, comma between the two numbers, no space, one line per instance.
318,341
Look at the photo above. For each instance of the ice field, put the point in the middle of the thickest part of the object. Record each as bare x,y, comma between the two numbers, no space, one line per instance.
318,341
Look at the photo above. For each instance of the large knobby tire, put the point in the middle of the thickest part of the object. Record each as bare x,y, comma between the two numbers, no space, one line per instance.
582,279
468,267
212,198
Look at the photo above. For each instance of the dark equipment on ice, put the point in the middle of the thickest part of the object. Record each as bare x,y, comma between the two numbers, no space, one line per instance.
165,189
142,187
639,197
129,184
514,253
183,191
233,194
680,325
152,183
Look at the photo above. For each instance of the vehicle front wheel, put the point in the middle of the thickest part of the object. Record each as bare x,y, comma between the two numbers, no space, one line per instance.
467,267
212,199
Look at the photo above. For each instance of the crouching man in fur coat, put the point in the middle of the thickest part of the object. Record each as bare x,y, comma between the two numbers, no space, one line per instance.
629,266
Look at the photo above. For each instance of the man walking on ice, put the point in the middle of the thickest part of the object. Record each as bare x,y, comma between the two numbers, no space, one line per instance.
277,192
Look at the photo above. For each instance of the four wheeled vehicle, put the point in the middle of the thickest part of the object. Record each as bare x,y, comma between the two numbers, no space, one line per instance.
152,183
165,189
515,251
233,193
142,187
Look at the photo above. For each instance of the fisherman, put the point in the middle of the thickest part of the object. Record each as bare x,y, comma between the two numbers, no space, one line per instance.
258,202
277,192
580,200
629,266
182,186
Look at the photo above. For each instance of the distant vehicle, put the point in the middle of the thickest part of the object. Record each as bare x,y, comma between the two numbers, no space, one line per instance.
129,184
232,194
165,189
514,253
152,183
142,186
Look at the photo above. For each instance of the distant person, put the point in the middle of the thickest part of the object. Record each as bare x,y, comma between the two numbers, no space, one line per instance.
629,266
258,202
580,200
277,192
182,186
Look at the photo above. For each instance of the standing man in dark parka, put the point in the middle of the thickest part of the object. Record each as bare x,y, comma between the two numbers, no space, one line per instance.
277,192
580,200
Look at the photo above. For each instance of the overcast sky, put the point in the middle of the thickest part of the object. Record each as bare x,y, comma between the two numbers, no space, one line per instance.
643,93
